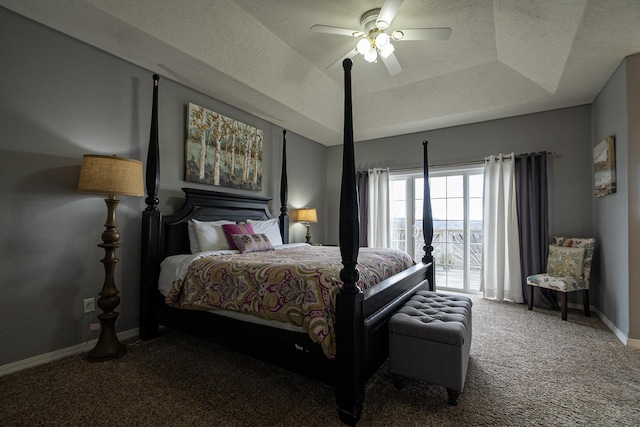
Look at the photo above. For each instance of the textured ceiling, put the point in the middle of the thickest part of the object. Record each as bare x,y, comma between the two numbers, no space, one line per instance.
504,58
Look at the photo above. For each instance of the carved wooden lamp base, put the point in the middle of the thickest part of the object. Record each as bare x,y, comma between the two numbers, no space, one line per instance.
108,346
308,233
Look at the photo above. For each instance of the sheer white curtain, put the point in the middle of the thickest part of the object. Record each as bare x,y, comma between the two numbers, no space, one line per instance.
378,208
501,245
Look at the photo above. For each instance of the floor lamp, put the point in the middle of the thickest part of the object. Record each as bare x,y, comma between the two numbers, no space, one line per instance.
109,175
308,215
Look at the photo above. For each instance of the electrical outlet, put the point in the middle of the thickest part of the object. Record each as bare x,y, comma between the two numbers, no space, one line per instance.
89,305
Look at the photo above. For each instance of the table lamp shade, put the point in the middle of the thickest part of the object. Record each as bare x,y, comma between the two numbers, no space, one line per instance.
111,175
307,215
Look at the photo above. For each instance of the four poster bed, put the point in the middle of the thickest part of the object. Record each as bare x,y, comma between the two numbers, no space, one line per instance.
358,312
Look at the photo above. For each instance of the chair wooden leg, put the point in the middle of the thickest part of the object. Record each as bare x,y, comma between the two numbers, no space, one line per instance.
585,300
530,296
563,305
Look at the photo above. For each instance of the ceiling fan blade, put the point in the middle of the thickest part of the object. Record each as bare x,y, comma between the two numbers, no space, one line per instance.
338,63
392,64
336,30
388,11
430,34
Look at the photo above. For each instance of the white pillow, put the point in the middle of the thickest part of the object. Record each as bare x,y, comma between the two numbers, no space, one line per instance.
193,240
207,236
269,227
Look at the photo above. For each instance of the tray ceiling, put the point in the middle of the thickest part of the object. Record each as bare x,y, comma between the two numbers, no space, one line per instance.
504,58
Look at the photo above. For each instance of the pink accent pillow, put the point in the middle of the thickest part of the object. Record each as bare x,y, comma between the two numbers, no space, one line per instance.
231,229
252,243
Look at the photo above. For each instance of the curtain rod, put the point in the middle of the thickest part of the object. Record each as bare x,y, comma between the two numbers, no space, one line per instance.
455,164
480,162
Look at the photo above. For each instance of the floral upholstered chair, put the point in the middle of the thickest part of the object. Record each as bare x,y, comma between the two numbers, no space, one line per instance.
568,270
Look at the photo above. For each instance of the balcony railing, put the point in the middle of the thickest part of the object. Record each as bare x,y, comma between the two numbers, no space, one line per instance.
449,252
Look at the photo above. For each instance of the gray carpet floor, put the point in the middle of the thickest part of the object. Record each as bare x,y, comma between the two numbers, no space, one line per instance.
526,369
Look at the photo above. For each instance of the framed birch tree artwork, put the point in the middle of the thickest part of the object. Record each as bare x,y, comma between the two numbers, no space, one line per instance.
604,167
222,151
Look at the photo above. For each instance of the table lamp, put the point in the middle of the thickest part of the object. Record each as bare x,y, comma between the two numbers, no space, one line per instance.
308,215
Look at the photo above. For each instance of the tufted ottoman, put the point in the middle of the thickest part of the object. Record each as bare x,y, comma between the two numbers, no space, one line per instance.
429,340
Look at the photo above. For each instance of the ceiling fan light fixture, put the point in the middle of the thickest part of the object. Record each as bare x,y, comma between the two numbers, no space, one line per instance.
382,24
364,46
371,56
382,40
376,39
397,35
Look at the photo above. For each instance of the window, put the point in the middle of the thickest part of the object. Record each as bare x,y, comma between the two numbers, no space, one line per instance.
456,202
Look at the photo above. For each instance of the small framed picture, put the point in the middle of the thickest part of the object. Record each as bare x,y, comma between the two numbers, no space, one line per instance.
604,167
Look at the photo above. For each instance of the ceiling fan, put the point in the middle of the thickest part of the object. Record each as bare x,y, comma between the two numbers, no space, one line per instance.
376,38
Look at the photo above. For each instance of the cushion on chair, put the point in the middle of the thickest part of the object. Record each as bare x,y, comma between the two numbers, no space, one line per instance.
562,283
565,261
588,243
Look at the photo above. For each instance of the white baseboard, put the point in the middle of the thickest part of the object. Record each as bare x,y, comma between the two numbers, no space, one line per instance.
59,354
623,337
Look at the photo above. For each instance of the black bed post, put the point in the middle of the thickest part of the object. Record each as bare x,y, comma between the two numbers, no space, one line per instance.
427,222
349,301
151,233
284,218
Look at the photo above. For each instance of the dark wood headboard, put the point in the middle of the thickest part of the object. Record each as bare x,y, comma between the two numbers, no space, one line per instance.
206,205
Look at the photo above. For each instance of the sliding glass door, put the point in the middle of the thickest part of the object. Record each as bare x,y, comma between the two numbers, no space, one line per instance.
456,201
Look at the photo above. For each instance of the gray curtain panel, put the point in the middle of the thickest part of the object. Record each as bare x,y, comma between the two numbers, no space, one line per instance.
533,226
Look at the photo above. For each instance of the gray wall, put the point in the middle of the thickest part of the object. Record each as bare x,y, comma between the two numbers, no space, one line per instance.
564,131
306,168
60,99
611,264
617,216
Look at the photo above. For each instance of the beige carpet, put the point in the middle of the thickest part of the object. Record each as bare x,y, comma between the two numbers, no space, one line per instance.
526,368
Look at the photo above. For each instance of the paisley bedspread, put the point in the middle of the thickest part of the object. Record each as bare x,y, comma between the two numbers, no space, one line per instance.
296,285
